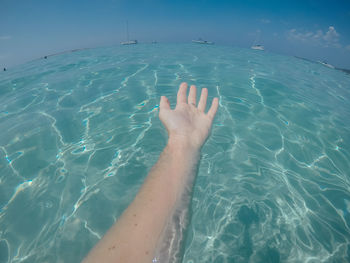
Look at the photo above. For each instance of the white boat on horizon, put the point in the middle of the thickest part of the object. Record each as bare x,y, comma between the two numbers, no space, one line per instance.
324,63
257,47
128,42
201,41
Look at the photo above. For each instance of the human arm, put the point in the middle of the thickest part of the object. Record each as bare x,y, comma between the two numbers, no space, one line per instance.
137,233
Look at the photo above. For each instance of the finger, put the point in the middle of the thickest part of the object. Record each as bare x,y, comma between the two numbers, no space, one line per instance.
203,100
213,108
192,95
181,94
164,103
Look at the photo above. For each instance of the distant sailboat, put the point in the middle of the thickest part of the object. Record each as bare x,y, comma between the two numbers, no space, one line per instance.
201,41
256,46
128,42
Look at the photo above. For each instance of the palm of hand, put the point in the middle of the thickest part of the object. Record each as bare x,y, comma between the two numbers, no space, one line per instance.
187,123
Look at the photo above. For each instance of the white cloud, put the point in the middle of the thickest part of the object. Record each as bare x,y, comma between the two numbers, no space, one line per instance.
331,36
265,21
319,38
5,37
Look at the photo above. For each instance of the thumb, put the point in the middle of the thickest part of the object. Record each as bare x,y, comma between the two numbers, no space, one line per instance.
164,103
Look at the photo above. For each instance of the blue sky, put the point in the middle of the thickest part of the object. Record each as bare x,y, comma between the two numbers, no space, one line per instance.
318,30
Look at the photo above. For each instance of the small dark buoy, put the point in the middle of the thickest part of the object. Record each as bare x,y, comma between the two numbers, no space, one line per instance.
45,57
4,69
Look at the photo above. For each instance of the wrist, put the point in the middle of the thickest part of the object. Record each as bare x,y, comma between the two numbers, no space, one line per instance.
182,146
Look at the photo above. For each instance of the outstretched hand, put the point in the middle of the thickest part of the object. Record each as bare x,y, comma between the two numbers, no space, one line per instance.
188,124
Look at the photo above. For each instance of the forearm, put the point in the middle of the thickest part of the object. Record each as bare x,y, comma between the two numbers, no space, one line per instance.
136,234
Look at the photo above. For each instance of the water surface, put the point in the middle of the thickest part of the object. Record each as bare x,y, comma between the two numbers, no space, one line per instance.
80,131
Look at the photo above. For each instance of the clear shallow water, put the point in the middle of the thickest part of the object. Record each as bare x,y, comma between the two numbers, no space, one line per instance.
80,131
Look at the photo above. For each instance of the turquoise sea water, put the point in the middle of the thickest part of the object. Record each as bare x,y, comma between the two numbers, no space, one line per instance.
80,131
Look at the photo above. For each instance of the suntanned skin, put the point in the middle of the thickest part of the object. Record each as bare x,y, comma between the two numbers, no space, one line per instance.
136,234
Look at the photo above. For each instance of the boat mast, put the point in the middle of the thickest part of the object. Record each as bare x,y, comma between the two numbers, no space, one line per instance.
127,31
257,38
